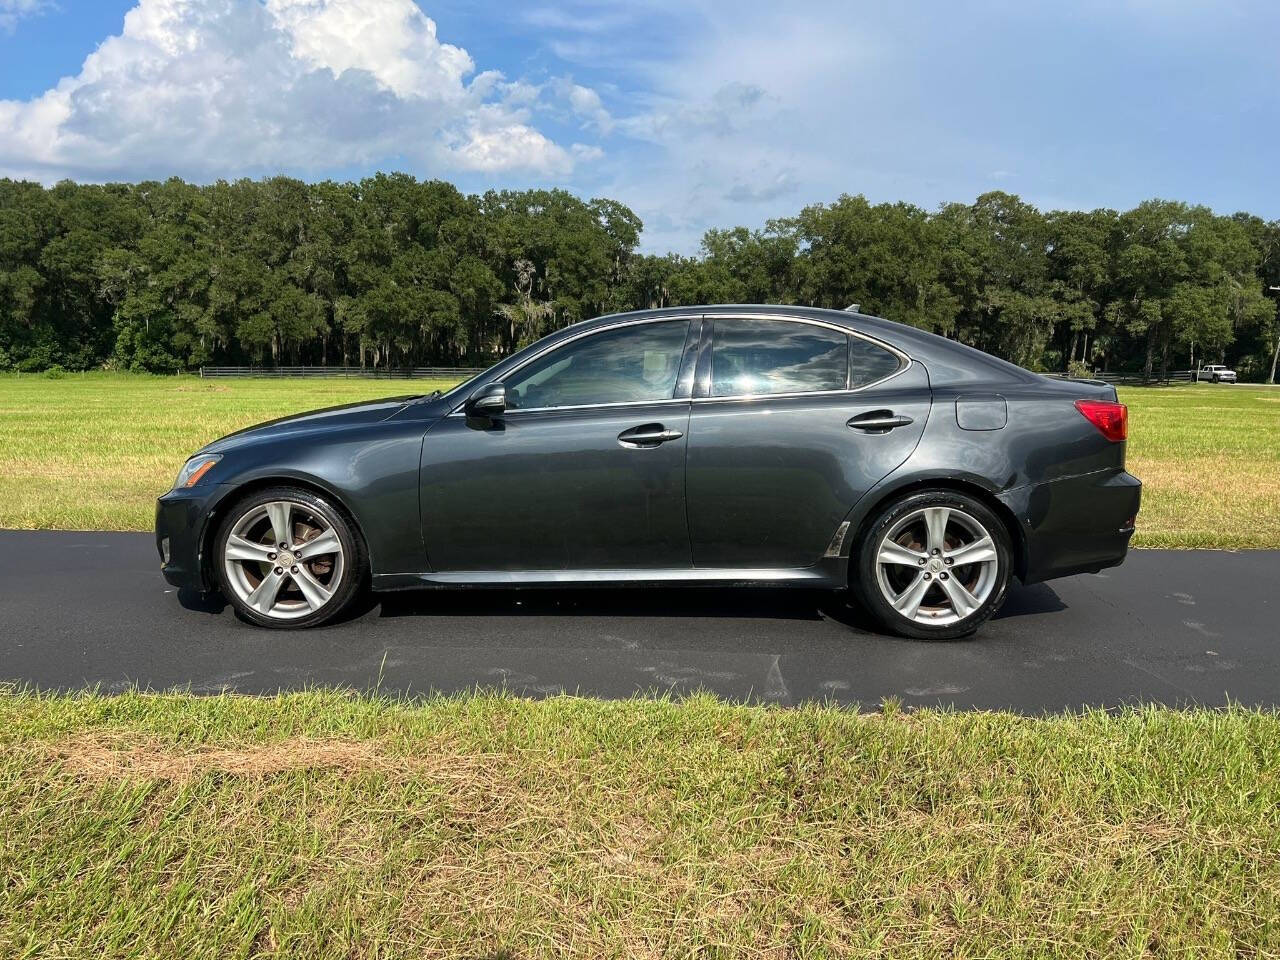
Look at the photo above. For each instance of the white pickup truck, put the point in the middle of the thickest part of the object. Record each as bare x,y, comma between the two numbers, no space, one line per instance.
1215,373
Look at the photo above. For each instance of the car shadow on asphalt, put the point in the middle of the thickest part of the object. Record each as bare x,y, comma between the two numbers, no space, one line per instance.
675,602
740,603
1024,601
201,601
681,602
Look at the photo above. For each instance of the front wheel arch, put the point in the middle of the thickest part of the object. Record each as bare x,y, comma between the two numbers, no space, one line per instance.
214,520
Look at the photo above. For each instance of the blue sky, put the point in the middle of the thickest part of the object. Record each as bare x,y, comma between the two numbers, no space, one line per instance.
695,113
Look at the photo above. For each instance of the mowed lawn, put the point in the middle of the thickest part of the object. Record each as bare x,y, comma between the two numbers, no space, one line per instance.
92,451
325,825
1209,459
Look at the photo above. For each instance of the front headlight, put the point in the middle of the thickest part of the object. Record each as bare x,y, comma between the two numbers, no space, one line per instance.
194,469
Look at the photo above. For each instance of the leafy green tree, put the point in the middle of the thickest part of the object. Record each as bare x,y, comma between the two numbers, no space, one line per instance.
391,270
526,317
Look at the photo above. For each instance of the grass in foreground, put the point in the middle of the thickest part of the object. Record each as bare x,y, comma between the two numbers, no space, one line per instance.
91,452
322,825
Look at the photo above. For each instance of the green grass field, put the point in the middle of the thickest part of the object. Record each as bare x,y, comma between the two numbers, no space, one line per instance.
93,451
323,825
1209,459
329,825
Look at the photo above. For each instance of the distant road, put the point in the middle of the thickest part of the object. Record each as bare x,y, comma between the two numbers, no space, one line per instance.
91,610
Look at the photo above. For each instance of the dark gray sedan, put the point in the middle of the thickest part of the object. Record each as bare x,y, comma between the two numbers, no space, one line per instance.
736,445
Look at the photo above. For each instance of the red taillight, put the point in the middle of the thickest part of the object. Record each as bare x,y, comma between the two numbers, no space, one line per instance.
1110,418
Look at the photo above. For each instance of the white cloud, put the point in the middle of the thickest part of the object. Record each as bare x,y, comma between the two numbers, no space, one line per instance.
727,111
11,11
586,104
391,39
491,143
769,186
208,88
577,21
586,151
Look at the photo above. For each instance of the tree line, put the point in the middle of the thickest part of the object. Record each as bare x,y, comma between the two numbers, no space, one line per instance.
392,271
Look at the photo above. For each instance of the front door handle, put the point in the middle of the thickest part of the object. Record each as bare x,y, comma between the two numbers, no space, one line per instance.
648,435
878,421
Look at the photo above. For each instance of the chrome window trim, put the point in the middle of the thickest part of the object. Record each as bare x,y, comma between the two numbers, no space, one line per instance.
907,362
516,411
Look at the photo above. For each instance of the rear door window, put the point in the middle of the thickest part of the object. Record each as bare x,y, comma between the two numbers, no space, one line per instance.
752,356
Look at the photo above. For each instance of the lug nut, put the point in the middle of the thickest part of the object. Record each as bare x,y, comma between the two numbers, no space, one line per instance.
942,576
928,576
271,556
293,569
935,551
922,561
279,570
948,561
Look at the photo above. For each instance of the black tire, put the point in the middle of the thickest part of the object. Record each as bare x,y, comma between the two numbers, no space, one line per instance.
869,589
311,510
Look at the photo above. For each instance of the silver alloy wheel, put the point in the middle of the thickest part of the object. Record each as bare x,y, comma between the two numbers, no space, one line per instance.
284,559
937,565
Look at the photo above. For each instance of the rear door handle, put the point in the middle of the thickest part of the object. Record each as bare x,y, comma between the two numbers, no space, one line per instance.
878,421
648,435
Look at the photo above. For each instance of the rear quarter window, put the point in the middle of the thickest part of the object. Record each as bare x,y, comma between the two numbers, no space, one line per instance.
869,362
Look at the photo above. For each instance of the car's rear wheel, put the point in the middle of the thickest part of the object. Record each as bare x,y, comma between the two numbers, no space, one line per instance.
934,565
288,558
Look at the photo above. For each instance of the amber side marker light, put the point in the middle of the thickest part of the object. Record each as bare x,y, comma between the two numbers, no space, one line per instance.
194,469
1111,419
199,472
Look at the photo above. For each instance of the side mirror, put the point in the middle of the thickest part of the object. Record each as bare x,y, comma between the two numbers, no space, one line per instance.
489,401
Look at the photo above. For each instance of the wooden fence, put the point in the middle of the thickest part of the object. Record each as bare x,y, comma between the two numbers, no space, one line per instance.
368,373
1169,376
1132,379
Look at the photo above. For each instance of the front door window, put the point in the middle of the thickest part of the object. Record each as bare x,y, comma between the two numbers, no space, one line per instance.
633,364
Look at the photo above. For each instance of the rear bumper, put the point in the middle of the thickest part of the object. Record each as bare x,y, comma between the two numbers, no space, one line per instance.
1076,524
181,516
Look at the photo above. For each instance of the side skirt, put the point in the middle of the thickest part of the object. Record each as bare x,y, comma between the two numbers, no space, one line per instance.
825,575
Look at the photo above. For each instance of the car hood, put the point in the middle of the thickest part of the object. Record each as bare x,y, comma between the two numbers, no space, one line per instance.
345,415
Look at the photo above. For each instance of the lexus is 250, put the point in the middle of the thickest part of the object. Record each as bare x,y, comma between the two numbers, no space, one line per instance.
733,445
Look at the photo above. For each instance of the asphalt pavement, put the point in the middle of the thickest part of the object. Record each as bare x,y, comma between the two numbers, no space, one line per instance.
90,610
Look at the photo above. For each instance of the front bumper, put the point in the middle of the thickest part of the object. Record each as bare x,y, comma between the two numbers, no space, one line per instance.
1076,524
182,517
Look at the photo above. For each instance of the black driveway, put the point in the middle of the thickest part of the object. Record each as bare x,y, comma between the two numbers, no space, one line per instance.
90,609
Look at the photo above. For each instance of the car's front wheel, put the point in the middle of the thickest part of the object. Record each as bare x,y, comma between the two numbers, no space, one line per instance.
288,558
934,565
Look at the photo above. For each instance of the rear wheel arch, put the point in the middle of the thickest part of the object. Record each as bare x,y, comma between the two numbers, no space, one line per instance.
1017,536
